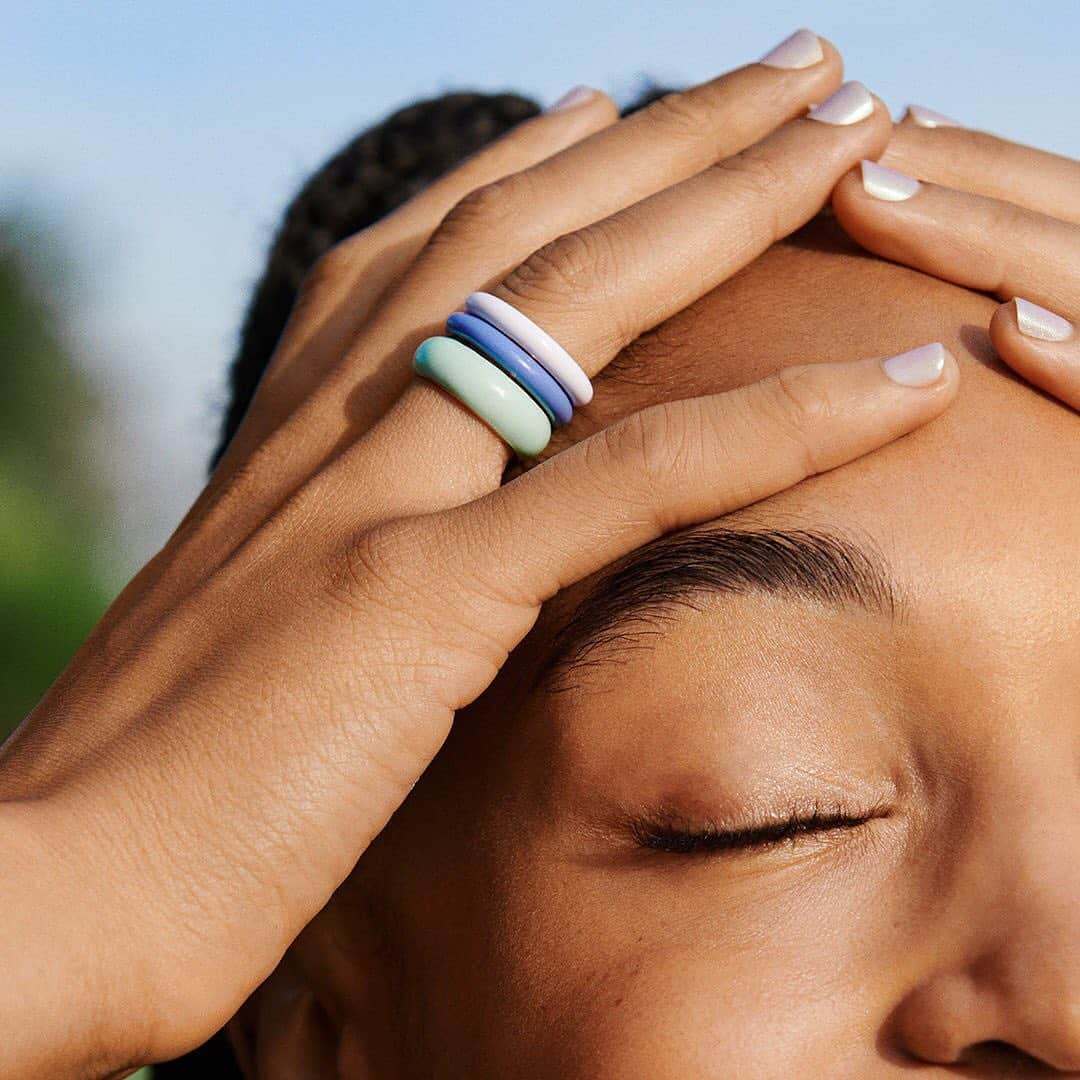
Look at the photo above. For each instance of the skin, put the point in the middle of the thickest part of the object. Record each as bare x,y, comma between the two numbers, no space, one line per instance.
326,640
1013,231
505,924
283,673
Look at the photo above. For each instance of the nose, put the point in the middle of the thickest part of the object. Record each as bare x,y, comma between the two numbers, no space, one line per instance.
1015,995
973,1018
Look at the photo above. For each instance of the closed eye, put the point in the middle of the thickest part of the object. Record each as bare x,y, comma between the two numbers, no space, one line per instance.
678,839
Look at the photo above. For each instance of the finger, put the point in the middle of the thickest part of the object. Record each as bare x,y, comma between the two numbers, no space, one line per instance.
664,468
971,240
496,226
596,290
1040,345
655,148
341,289
335,299
601,287
488,233
984,164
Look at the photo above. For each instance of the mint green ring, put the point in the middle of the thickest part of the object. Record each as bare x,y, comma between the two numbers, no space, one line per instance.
479,385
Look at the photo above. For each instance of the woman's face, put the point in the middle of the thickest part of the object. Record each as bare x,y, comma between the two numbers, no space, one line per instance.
816,815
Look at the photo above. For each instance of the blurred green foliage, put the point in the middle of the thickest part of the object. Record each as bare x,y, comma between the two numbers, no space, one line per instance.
51,502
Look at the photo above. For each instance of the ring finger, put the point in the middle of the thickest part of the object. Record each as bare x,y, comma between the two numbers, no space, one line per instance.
297,424
343,287
492,229
598,289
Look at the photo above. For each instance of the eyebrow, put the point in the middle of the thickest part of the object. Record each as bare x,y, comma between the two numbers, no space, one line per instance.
640,593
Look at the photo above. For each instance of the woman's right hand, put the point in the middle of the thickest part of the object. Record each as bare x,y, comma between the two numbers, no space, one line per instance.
263,696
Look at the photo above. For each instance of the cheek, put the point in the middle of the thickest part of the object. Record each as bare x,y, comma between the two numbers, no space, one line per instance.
608,983
560,980
703,1015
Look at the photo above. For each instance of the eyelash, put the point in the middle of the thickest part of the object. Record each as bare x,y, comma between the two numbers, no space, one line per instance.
676,839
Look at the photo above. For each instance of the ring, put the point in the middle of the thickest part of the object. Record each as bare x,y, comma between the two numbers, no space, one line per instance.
538,343
515,361
485,389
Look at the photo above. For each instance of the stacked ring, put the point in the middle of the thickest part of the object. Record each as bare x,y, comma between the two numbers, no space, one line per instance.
487,391
512,374
536,342
515,361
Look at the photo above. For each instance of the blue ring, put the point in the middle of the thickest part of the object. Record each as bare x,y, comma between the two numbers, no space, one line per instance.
508,355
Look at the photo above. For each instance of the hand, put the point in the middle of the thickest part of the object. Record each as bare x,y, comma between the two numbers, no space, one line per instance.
262,697
1008,224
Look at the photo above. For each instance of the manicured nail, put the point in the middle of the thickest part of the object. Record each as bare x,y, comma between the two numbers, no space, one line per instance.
929,119
848,105
576,95
802,49
917,367
888,184
1036,322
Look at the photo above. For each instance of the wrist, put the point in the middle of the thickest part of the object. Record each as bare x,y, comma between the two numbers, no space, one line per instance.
70,1003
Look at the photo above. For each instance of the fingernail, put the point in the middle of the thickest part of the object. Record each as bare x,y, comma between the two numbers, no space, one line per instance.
927,118
917,367
802,49
888,184
848,105
1036,322
576,95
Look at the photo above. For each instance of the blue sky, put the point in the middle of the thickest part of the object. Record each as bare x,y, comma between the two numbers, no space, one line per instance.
162,141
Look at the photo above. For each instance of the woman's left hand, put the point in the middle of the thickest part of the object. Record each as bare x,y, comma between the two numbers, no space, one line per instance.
1007,224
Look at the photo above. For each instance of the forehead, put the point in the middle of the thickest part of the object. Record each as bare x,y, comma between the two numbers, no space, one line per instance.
990,491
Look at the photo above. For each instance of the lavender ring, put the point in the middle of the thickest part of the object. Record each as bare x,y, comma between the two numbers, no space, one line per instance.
536,342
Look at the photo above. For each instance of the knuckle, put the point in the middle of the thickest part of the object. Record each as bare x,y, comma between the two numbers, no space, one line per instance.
484,209
403,566
799,406
804,397
414,581
760,176
567,267
335,263
681,114
325,270
661,445
652,457
377,566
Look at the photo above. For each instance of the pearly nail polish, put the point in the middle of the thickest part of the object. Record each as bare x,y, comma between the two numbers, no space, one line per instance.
916,367
927,118
802,49
848,105
887,184
1036,322
576,95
